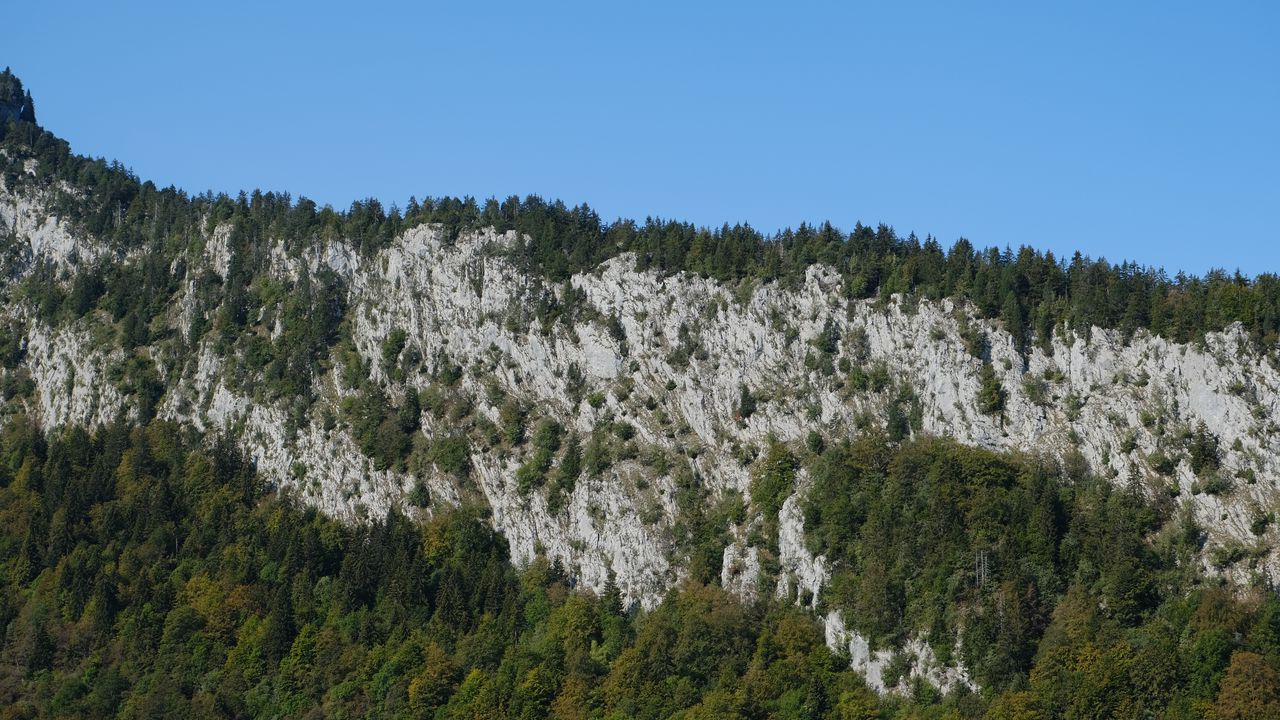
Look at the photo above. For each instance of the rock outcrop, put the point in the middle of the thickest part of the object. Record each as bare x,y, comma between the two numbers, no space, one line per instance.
669,356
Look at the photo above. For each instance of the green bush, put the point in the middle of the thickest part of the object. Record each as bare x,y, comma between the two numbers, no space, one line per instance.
452,454
991,394
772,478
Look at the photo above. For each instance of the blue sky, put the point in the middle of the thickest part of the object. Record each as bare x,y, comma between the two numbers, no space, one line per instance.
1140,130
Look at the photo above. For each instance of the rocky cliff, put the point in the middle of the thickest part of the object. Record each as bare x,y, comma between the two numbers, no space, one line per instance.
660,366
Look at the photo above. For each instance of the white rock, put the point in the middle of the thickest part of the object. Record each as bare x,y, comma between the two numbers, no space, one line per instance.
463,299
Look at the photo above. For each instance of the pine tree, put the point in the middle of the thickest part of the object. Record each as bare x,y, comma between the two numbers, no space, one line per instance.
746,403
991,394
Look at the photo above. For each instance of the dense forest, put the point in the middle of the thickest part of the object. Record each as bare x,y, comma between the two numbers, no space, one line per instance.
148,574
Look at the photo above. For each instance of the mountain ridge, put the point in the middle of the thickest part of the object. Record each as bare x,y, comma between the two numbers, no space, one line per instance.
367,363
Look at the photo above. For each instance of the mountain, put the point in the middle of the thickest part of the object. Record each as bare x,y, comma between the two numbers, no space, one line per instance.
919,447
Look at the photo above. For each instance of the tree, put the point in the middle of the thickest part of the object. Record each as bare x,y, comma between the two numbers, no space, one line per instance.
511,416
392,345
434,683
773,478
1014,321
570,464
1203,450
1249,691
746,403
991,394
28,113
857,705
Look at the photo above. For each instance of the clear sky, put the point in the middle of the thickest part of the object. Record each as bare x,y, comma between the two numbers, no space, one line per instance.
1135,130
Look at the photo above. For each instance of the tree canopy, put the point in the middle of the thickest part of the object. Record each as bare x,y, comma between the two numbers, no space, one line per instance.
147,571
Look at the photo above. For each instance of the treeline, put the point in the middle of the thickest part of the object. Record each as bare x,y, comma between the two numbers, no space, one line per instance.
148,574
1033,293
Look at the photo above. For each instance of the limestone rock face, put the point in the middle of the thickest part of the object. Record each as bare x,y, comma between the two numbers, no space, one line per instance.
669,356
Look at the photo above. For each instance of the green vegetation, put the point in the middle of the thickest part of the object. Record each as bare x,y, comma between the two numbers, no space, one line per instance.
392,345
746,403
991,393
1202,447
383,431
147,574
15,103
147,571
1032,293
1029,576
452,454
772,479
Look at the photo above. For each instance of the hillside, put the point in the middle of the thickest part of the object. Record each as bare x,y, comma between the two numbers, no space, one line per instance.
907,442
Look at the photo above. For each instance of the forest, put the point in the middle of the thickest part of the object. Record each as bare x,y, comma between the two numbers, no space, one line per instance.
149,572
